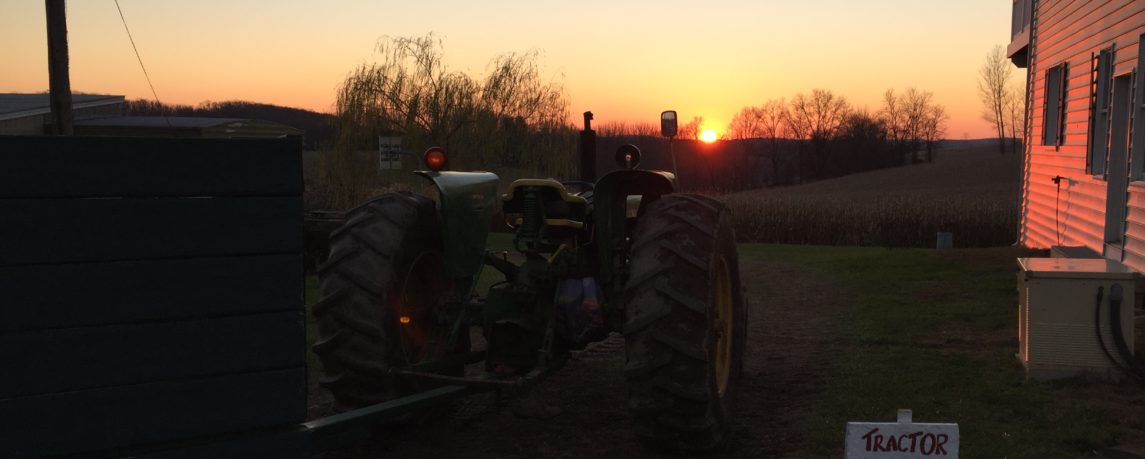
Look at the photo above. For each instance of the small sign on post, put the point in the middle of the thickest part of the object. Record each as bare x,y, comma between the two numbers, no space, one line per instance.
389,153
902,439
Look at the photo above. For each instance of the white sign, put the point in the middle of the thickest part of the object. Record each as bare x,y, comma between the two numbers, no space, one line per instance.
389,153
902,439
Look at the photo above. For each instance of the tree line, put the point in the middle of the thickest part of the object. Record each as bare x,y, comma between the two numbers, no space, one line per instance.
809,137
821,135
514,117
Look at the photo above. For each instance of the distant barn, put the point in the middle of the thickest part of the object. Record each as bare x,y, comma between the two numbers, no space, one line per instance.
30,114
183,127
1084,175
102,115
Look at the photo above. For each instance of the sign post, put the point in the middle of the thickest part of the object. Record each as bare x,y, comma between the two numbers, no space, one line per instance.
902,439
389,153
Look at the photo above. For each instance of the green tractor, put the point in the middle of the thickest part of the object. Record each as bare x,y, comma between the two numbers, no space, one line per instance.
624,254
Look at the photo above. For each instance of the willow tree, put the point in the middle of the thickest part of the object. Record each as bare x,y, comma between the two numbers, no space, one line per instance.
523,120
511,117
410,94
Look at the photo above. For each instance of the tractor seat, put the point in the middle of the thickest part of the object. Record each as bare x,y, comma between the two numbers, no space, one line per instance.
562,210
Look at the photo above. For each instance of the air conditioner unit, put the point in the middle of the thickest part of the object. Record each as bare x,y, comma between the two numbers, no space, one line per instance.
1057,331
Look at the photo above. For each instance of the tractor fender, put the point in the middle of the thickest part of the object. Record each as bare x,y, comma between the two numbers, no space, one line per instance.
466,207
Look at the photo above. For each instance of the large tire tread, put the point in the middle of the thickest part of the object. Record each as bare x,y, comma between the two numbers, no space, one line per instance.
355,337
669,365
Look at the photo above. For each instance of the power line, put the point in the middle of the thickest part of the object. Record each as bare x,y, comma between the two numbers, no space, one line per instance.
140,59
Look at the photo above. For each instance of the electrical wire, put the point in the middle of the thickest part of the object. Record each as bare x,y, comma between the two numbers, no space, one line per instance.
1129,365
1097,327
140,59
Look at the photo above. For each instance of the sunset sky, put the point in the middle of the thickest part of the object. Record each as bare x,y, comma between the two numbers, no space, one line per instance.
625,61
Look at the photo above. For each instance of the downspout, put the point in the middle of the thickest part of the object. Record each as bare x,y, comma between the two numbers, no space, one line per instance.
1027,147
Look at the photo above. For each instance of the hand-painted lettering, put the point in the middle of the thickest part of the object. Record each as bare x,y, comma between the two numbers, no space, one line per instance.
867,437
927,444
942,439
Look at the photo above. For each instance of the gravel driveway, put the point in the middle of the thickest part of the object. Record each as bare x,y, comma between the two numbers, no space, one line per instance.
793,341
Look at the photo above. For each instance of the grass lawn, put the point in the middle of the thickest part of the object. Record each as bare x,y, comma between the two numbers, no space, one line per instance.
935,332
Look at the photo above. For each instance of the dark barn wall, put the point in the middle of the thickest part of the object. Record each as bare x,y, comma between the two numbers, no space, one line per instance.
152,297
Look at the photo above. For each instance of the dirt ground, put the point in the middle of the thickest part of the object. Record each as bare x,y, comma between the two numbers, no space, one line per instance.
793,337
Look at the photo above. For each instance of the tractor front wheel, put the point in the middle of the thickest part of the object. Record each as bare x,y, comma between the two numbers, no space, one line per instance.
685,323
379,289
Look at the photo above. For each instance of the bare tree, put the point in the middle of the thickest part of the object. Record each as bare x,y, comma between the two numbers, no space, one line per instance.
746,124
763,129
816,120
747,127
773,127
894,117
1015,107
864,137
933,129
993,79
916,108
691,130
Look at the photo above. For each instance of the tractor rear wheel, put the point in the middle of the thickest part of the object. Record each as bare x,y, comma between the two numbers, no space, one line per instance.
379,287
685,323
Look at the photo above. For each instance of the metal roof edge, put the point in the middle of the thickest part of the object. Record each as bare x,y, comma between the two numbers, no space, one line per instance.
105,100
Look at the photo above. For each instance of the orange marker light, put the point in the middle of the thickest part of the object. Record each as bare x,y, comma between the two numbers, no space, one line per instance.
435,159
404,320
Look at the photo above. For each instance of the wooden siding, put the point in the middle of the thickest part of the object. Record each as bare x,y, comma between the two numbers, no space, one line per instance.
1071,32
153,297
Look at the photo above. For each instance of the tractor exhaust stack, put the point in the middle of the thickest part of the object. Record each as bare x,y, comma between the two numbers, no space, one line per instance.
588,150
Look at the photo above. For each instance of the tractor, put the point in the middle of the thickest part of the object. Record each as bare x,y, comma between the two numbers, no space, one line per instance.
399,304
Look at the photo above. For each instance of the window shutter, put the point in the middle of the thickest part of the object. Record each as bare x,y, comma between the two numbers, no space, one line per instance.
1063,95
1099,112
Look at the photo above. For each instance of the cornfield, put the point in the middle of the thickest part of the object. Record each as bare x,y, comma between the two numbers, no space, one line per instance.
888,220
972,194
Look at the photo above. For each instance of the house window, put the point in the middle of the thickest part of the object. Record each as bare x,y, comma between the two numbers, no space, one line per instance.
1101,82
1053,122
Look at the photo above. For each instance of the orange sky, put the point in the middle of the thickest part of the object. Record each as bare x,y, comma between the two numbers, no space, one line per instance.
625,61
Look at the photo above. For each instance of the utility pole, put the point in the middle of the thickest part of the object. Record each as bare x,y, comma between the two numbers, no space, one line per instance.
59,82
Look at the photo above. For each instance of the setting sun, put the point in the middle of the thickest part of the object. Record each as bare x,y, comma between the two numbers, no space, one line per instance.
708,135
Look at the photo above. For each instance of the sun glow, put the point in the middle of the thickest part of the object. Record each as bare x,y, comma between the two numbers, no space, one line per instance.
708,135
